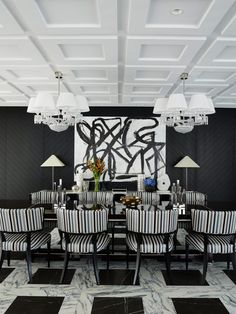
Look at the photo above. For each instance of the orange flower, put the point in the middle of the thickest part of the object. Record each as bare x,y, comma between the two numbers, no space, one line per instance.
97,166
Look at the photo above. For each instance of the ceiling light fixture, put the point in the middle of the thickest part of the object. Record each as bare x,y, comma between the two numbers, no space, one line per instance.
175,112
177,11
59,115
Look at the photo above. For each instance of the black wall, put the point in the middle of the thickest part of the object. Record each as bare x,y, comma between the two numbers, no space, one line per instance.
25,146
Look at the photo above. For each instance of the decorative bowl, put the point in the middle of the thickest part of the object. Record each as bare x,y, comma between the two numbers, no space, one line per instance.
131,201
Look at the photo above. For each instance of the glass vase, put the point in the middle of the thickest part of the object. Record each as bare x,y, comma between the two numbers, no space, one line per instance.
96,184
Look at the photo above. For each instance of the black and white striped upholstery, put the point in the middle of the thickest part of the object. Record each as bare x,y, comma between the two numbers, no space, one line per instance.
16,223
84,231
148,197
195,198
219,226
152,225
82,221
97,197
44,197
21,231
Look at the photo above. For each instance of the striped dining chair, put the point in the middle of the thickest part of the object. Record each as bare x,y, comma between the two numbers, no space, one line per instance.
150,231
83,232
21,230
213,232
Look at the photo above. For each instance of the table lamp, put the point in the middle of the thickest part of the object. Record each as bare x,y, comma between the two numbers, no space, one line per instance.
53,161
186,163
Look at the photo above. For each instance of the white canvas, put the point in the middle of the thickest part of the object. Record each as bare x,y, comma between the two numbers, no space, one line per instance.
128,146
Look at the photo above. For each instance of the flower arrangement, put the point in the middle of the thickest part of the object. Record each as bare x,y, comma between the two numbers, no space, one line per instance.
150,184
97,167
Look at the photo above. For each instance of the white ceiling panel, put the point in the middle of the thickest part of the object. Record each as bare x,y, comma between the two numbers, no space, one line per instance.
149,89
221,75
156,16
152,74
8,24
221,53
67,16
162,50
80,50
19,50
18,74
209,90
118,52
225,102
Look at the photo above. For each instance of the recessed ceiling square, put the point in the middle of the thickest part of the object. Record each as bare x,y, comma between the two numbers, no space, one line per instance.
11,52
70,12
142,99
90,74
214,76
95,89
161,52
84,52
227,54
198,89
192,13
24,74
146,89
153,75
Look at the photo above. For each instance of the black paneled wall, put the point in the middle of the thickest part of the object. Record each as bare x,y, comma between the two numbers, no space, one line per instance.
25,146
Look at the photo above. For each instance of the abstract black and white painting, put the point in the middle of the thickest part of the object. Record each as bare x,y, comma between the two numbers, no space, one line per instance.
128,146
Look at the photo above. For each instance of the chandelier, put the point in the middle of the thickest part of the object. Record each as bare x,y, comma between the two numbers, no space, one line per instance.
176,113
59,114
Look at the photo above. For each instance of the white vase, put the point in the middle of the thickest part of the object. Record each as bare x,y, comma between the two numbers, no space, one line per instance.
79,178
163,182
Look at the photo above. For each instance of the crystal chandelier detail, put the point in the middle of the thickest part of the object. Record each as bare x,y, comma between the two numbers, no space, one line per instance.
176,113
59,114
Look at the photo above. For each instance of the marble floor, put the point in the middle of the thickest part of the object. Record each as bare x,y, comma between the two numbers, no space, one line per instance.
82,294
155,293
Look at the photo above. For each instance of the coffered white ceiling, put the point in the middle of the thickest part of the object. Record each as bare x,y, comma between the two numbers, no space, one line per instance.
118,52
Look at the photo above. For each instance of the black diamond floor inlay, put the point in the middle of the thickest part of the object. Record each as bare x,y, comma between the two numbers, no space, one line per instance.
35,305
199,306
117,306
183,278
52,276
116,277
231,274
4,273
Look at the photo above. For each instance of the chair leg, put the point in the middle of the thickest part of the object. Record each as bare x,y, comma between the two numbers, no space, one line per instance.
2,259
66,261
167,261
127,256
228,261
8,258
234,260
186,255
48,253
205,264
138,262
112,237
108,256
95,266
29,264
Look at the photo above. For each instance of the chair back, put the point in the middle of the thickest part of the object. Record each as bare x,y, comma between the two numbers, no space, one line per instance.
195,198
82,221
152,222
44,197
102,197
151,198
21,219
213,221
